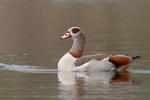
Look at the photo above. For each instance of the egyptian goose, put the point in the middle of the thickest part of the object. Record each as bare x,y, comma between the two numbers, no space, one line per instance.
74,61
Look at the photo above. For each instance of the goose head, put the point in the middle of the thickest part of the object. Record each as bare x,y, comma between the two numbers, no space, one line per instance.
73,32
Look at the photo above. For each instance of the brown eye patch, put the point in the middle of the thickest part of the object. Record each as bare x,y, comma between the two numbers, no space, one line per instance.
75,30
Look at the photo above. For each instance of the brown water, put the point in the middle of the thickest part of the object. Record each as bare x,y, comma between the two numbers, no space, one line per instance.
30,48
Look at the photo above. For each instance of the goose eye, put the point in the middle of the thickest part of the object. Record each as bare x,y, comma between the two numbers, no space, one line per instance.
66,34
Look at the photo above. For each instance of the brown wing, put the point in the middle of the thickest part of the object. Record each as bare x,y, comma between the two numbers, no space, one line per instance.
80,61
116,59
120,59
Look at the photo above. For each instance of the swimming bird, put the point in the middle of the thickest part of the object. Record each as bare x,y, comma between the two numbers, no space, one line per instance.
74,61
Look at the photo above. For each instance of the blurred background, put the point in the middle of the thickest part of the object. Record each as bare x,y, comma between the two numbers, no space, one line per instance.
30,33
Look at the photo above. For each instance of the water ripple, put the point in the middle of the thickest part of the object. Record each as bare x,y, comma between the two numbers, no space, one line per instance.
26,68
39,69
140,71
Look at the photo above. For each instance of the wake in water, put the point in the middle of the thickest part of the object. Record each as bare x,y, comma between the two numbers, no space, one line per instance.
38,69
26,68
140,71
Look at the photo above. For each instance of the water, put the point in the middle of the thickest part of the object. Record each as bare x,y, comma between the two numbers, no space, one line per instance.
30,48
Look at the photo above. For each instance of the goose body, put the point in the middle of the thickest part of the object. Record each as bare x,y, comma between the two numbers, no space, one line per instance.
74,61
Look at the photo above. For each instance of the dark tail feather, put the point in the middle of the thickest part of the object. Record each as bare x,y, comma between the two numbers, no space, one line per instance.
136,57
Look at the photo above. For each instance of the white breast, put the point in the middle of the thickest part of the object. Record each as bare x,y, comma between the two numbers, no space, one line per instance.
66,63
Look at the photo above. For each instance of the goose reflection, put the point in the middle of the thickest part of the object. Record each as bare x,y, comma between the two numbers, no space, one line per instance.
73,85
122,78
69,86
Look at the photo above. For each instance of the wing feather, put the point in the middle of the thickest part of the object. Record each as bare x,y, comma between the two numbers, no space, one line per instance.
84,59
